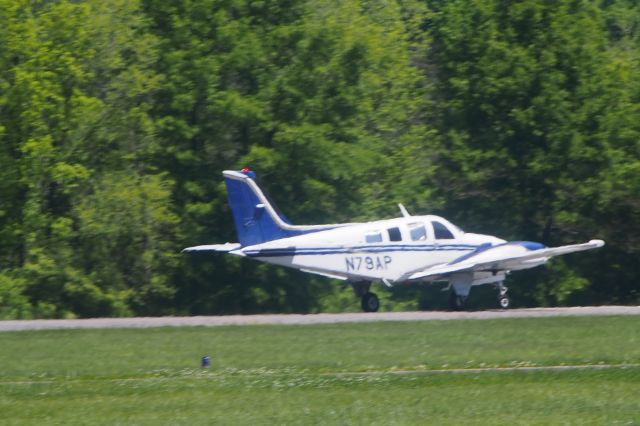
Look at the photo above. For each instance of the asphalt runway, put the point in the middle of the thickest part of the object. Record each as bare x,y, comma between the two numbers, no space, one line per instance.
297,319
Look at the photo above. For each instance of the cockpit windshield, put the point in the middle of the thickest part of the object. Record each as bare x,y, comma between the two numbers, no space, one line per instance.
441,232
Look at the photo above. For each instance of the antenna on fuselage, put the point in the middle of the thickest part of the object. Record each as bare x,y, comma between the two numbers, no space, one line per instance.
404,211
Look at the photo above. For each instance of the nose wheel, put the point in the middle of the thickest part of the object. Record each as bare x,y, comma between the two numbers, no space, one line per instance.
503,300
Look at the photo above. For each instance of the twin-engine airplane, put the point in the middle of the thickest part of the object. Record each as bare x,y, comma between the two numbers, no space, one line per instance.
393,251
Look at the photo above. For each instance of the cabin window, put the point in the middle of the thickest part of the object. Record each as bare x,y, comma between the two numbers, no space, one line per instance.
441,232
373,237
394,234
417,231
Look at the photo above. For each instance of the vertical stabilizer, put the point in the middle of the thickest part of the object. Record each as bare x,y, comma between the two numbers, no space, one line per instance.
255,218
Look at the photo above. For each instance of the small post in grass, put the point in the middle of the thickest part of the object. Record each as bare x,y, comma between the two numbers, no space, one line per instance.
206,362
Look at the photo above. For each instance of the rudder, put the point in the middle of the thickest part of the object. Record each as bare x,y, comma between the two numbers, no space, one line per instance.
255,218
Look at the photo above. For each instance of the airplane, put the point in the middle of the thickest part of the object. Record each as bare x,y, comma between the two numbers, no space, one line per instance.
392,251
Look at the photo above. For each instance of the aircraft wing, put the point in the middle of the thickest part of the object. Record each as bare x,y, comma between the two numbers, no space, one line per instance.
325,274
224,248
509,256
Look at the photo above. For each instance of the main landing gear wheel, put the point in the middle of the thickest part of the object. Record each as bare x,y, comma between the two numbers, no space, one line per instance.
456,302
370,302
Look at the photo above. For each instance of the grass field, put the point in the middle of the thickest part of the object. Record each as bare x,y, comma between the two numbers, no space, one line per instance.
375,373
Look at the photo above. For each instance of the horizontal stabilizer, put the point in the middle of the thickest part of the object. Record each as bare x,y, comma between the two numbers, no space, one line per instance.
224,248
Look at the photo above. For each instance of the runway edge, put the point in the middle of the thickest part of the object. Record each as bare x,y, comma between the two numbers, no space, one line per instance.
299,319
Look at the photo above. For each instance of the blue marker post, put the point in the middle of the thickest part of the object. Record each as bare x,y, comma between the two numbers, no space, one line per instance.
206,362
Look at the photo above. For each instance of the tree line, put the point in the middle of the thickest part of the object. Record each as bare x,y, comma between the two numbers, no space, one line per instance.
514,118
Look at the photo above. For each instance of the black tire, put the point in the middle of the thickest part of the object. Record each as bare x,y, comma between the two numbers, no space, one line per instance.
370,302
504,302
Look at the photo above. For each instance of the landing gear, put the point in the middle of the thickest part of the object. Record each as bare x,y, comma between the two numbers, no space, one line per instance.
369,301
459,287
456,301
503,300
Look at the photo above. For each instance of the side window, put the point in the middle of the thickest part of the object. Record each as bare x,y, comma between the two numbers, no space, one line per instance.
441,232
417,232
394,234
373,237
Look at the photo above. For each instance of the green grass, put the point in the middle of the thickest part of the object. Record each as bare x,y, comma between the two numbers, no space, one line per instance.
326,374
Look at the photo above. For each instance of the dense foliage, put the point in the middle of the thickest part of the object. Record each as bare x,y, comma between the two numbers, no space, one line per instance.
520,119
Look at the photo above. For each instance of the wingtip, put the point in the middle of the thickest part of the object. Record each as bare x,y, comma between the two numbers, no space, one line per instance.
597,243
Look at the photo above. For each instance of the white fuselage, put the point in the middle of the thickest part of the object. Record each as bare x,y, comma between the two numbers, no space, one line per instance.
403,250
385,250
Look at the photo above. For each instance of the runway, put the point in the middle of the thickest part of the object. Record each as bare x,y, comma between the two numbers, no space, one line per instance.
298,319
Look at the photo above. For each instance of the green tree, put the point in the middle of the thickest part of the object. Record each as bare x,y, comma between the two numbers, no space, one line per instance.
318,97
78,81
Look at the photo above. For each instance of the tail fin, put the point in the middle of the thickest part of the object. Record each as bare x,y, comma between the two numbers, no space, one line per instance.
256,220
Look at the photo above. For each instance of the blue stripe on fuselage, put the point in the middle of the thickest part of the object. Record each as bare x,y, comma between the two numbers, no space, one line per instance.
293,251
